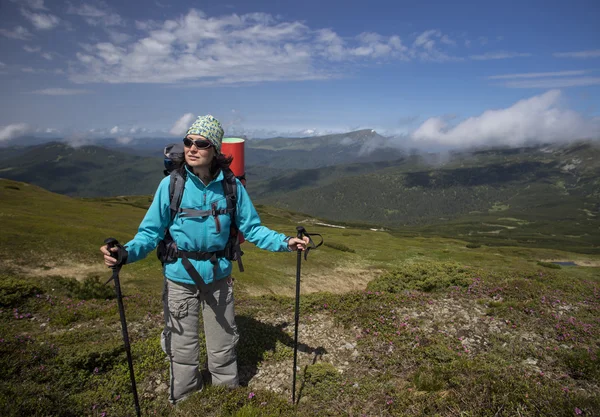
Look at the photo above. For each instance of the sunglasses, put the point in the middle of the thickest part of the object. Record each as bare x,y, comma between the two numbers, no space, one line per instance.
200,143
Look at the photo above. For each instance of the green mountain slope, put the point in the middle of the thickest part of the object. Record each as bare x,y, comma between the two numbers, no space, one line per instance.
86,171
388,323
321,151
555,191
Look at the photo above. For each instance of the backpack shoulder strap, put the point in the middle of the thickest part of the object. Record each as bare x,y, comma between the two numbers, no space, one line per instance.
176,187
230,188
233,244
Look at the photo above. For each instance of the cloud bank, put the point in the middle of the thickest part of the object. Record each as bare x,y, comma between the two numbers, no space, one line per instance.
232,49
536,119
13,131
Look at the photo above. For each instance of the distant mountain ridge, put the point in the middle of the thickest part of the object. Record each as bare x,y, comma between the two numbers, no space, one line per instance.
555,187
281,153
87,171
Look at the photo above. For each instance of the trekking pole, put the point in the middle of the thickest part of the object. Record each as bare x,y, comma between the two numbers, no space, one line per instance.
301,232
110,243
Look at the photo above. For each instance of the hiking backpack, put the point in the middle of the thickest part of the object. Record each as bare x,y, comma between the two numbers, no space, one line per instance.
167,250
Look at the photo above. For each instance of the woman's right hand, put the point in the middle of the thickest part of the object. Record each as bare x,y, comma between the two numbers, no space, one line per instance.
109,261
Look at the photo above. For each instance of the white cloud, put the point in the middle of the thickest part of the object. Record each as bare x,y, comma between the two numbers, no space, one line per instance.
499,55
33,4
79,139
60,92
114,130
13,131
538,118
426,47
445,39
547,80
47,55
41,21
181,126
200,50
554,83
537,75
31,49
579,54
118,37
125,140
96,16
18,32
426,39
2,64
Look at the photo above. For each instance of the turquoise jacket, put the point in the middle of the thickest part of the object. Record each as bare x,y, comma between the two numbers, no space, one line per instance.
200,234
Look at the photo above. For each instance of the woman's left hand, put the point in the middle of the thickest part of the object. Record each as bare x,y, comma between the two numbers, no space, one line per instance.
294,243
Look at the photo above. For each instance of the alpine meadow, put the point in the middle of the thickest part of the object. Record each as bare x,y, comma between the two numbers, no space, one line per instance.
442,288
414,187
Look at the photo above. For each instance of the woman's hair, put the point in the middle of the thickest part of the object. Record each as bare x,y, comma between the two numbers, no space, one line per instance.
219,162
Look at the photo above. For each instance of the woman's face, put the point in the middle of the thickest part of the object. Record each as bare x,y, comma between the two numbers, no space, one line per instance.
198,158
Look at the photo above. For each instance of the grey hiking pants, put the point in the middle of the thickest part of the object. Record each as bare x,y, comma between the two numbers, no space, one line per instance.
182,303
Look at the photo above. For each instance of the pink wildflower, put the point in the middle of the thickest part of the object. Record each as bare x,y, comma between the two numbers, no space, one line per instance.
251,395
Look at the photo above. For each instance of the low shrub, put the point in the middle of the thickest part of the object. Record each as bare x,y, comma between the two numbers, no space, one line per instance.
14,290
91,288
339,246
423,276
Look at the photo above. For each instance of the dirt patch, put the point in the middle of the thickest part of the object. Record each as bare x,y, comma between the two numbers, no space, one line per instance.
340,280
75,270
319,340
579,262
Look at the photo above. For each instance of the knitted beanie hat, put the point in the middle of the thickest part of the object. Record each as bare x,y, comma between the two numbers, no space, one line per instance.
210,128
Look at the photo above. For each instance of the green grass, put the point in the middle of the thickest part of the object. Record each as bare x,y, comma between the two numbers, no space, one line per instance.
442,330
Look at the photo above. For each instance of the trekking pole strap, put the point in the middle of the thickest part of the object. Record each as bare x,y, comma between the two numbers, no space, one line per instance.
302,232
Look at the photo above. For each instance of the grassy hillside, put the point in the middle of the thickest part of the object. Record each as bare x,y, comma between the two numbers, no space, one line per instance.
544,197
86,171
390,325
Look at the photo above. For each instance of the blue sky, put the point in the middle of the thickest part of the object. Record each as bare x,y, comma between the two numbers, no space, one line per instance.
466,72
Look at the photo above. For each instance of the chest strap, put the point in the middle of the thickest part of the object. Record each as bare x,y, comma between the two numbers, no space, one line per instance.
186,212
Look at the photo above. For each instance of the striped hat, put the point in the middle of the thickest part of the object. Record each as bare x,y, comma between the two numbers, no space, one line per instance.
210,128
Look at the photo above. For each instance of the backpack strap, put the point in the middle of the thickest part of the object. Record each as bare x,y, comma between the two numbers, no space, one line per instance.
176,187
233,244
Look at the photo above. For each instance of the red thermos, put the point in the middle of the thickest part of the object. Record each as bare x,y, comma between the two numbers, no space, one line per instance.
235,147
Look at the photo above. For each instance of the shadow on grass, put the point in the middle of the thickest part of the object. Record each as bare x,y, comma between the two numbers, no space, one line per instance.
259,341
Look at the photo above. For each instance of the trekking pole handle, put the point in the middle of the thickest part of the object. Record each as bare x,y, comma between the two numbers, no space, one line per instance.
301,231
110,243
119,255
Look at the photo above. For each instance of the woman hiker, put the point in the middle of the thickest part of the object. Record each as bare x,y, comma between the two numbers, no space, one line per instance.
207,286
